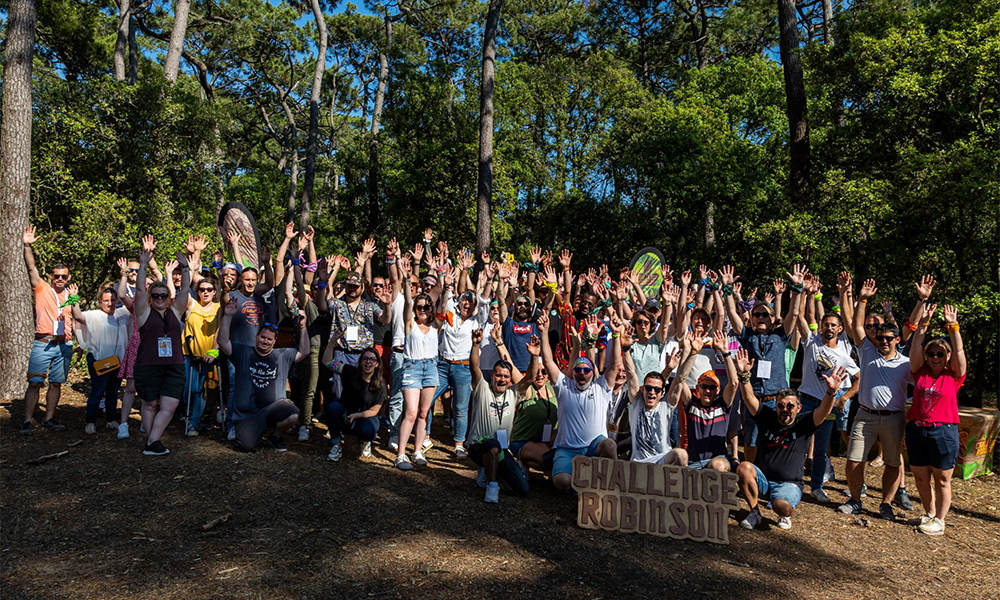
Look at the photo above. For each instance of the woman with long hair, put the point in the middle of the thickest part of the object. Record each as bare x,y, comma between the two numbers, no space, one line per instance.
356,412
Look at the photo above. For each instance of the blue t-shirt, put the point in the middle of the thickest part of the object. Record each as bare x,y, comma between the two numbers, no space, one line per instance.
516,335
766,347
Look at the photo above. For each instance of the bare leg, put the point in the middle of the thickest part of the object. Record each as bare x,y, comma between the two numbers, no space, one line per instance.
677,456
748,483
855,478
31,400
890,483
942,492
719,464
162,417
562,481
426,399
147,411
922,477
52,396
411,403
128,399
608,449
533,455
782,508
283,426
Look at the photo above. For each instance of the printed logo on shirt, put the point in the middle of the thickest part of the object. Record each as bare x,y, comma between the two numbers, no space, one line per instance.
262,374
522,329
252,313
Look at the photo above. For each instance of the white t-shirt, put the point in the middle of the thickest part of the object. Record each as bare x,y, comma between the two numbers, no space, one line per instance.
107,334
398,327
883,381
582,415
456,338
818,359
650,431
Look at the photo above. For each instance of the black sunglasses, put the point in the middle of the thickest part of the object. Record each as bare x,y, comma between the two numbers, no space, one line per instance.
132,270
378,285
871,326
936,354
708,387
582,370
785,406
761,315
422,307
885,338
206,289
653,388
159,295
59,276
522,303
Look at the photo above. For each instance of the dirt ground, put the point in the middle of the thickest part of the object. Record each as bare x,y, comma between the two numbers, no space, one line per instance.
104,521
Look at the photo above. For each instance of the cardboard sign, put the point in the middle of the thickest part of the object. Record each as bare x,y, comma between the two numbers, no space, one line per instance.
647,264
978,431
664,500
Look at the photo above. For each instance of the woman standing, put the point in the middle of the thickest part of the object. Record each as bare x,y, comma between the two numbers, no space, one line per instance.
932,421
200,349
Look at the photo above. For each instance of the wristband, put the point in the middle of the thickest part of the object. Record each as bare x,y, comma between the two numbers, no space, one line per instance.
910,326
795,287
953,327
295,260
390,261
216,264
321,284
726,354
813,327
213,353
835,308
615,335
553,286
818,296
744,377
727,290
863,301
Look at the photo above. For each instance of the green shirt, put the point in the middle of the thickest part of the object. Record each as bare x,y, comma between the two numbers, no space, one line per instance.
533,413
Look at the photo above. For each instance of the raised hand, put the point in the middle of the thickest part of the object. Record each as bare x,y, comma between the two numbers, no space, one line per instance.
547,258
702,272
145,256
696,343
887,307
619,290
719,340
73,289
302,243
477,336
628,336
123,264
844,282
779,287
418,252
323,268
928,313
535,254
668,275
290,231
550,274
834,379
594,325
738,290
674,294
309,234
200,243
148,244
950,314
343,262
673,359
497,334
867,290
232,236
798,274
769,298
625,275
565,258
189,245
744,364
368,247
170,266
686,279
428,234
392,249
728,275
28,237
181,259
924,287
617,326
542,322
534,346
230,309
485,257
403,262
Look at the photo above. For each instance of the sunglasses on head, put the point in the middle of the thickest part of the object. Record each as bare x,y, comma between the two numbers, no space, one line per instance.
935,354
785,406
159,295
59,276
653,388
271,326
582,370
885,338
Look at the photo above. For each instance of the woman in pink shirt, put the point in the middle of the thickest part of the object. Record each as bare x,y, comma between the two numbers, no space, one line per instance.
932,421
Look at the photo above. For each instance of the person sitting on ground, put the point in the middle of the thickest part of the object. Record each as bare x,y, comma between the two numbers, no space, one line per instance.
364,393
491,420
531,436
777,470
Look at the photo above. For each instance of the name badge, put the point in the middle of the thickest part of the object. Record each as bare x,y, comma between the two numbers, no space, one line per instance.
58,328
351,335
165,347
502,438
547,433
613,431
764,369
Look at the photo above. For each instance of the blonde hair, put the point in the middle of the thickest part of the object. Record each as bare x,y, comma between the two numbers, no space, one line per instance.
944,343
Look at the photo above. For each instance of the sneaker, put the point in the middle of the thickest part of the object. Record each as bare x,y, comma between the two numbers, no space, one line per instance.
481,478
903,499
752,519
851,507
785,523
830,474
916,522
303,433
218,416
53,426
418,459
394,443
123,431
864,490
231,435
820,496
90,429
427,445
277,443
191,432
885,511
492,492
403,464
366,449
111,425
460,452
25,428
934,526
335,453
155,449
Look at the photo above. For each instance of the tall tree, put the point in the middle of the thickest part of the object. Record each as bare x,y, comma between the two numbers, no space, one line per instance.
176,45
317,88
484,188
121,42
15,194
795,102
383,76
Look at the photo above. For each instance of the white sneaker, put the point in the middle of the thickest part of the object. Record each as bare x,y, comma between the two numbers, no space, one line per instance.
90,429
403,464
752,520
191,433
394,443
123,431
303,434
231,436
492,493
933,527
418,459
784,523
820,496
460,452
366,449
335,453
481,478
427,445
920,520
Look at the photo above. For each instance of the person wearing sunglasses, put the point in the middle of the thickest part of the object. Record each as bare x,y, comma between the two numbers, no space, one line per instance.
939,368
159,365
355,314
260,408
583,399
777,471
52,349
356,411
651,412
518,329
201,324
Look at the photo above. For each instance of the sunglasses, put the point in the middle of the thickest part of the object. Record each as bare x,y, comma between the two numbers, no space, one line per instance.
159,295
761,315
885,338
642,323
206,290
422,307
871,326
271,326
708,387
132,270
369,359
378,285
542,372
522,303
785,406
653,388
582,370
935,354
60,276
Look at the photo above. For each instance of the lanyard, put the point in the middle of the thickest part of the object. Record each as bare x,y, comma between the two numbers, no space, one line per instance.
500,409
764,350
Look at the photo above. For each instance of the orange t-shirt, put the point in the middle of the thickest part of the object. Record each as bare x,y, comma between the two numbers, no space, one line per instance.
47,311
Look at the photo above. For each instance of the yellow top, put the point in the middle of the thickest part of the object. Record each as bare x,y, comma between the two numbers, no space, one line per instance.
202,324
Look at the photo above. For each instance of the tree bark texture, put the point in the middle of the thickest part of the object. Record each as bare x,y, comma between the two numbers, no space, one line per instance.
795,101
121,42
133,52
383,76
313,140
484,189
827,21
16,322
293,179
176,45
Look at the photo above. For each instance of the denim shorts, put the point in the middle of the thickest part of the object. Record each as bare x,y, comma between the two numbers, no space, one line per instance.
50,360
419,374
562,461
841,420
703,464
935,447
788,491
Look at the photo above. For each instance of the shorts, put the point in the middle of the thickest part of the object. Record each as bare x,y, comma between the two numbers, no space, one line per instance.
155,381
420,373
562,460
935,447
51,360
789,491
869,427
842,416
250,429
703,464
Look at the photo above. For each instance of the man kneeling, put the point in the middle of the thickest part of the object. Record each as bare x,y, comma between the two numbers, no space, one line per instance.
777,469
259,404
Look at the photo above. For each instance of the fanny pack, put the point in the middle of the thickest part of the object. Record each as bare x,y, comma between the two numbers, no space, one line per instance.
106,365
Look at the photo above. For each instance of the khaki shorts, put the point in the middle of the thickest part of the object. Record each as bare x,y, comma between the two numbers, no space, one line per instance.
869,428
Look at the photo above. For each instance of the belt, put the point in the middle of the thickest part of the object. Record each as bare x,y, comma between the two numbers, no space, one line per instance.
50,339
881,413
928,424
458,362
397,348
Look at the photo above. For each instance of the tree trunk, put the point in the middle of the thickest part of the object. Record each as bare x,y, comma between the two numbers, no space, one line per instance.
16,323
313,142
293,179
176,45
795,102
133,52
484,193
383,75
709,225
827,21
121,42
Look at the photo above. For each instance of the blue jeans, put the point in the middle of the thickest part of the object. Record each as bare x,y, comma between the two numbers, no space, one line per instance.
750,427
396,399
365,428
102,387
778,490
821,441
194,388
459,378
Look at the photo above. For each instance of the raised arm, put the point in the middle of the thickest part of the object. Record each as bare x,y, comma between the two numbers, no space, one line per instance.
180,302
279,267
477,373
222,337
924,288
682,318
233,237
123,284
729,276
833,382
403,263
796,279
309,234
917,345
141,306
744,366
615,359
547,359
679,391
719,340
958,362
303,351
631,377
267,279
28,238
667,300
867,291
844,288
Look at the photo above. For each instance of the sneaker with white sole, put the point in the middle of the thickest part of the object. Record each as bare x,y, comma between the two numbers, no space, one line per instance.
335,453
403,463
820,496
418,459
394,443
155,449
366,449
90,429
885,511
460,452
427,445
123,431
851,507
916,522
492,492
481,478
934,526
784,523
303,433
752,519
903,499
231,435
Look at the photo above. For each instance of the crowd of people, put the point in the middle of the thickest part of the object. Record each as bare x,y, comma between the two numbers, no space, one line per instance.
533,363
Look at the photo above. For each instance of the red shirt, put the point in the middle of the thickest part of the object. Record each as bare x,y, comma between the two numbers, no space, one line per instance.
935,399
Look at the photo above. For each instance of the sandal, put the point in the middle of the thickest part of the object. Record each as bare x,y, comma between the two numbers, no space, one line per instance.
878,462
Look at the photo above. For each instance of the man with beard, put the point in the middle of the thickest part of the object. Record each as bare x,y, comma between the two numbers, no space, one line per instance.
355,315
518,329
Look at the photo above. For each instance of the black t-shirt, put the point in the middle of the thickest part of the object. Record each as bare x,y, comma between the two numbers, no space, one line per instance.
781,453
357,396
260,380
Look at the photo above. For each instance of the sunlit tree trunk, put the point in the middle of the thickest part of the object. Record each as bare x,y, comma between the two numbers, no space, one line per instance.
484,189
176,45
313,140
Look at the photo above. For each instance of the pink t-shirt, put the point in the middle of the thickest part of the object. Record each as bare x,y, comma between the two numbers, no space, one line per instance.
935,399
